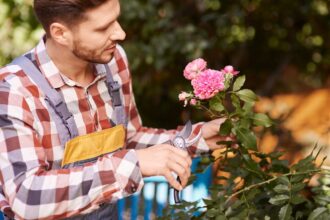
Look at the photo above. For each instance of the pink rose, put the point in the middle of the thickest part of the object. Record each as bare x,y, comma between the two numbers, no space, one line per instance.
229,70
183,96
208,83
194,68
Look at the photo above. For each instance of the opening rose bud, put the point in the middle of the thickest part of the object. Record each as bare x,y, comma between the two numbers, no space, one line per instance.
230,70
183,96
193,102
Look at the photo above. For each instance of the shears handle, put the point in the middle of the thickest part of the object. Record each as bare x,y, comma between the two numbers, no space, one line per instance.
177,199
178,142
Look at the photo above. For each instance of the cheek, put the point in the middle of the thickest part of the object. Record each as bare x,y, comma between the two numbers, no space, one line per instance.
97,41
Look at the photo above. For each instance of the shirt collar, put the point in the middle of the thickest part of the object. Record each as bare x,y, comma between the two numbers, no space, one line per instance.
52,73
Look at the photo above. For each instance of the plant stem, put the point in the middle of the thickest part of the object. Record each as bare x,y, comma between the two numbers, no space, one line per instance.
269,181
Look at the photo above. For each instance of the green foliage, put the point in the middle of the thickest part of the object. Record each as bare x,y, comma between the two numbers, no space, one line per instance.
259,185
19,29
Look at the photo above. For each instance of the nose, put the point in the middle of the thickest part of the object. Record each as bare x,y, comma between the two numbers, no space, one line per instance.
118,33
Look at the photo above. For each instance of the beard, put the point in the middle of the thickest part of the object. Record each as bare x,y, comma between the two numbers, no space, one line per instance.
91,56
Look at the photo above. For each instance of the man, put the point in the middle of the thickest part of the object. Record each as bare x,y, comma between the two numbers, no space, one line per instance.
81,36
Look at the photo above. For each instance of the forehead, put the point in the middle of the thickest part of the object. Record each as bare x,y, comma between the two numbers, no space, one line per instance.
104,13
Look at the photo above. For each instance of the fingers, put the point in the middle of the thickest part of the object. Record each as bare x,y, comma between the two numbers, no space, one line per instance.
165,160
171,180
181,156
182,172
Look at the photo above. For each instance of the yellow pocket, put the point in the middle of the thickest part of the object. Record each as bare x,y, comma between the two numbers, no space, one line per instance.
93,145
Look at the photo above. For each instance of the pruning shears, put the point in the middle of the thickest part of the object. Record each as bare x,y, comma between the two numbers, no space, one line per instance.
181,141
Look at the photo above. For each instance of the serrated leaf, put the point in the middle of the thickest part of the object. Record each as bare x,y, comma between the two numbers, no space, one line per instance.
262,120
316,213
297,199
239,82
279,199
226,127
281,188
285,212
247,95
247,138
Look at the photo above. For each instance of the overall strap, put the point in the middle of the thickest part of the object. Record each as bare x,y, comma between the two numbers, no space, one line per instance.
114,91
63,117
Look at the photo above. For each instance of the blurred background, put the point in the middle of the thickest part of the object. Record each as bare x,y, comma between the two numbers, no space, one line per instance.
283,47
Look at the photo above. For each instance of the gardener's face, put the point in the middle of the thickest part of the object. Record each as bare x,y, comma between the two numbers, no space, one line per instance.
94,39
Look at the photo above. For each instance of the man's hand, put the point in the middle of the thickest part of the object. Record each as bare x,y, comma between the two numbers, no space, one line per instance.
210,132
164,159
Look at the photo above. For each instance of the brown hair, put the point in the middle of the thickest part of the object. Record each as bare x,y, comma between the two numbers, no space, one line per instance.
69,12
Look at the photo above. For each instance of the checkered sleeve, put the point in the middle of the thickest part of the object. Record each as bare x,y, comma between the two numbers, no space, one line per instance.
35,191
140,136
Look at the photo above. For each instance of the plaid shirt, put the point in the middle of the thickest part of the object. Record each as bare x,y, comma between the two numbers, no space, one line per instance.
32,182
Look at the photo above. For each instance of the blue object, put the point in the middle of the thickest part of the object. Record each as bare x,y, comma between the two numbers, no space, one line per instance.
156,195
1,216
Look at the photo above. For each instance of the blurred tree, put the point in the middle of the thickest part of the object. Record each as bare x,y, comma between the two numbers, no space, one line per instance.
262,38
19,29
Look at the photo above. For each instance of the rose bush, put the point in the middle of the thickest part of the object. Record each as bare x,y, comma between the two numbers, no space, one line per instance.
249,184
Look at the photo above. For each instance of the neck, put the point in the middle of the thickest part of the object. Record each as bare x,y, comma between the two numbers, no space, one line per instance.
68,64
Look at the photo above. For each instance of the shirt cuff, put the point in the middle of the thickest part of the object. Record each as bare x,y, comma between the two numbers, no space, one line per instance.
127,172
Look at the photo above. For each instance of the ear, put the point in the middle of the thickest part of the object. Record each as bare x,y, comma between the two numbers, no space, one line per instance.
60,33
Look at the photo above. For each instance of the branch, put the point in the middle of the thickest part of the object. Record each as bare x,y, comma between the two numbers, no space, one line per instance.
271,180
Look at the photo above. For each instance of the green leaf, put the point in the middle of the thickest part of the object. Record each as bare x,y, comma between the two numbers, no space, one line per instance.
235,101
226,127
262,120
297,187
247,95
316,213
279,199
322,199
304,164
298,178
297,199
216,105
239,82
251,164
247,138
285,212
281,188
284,180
